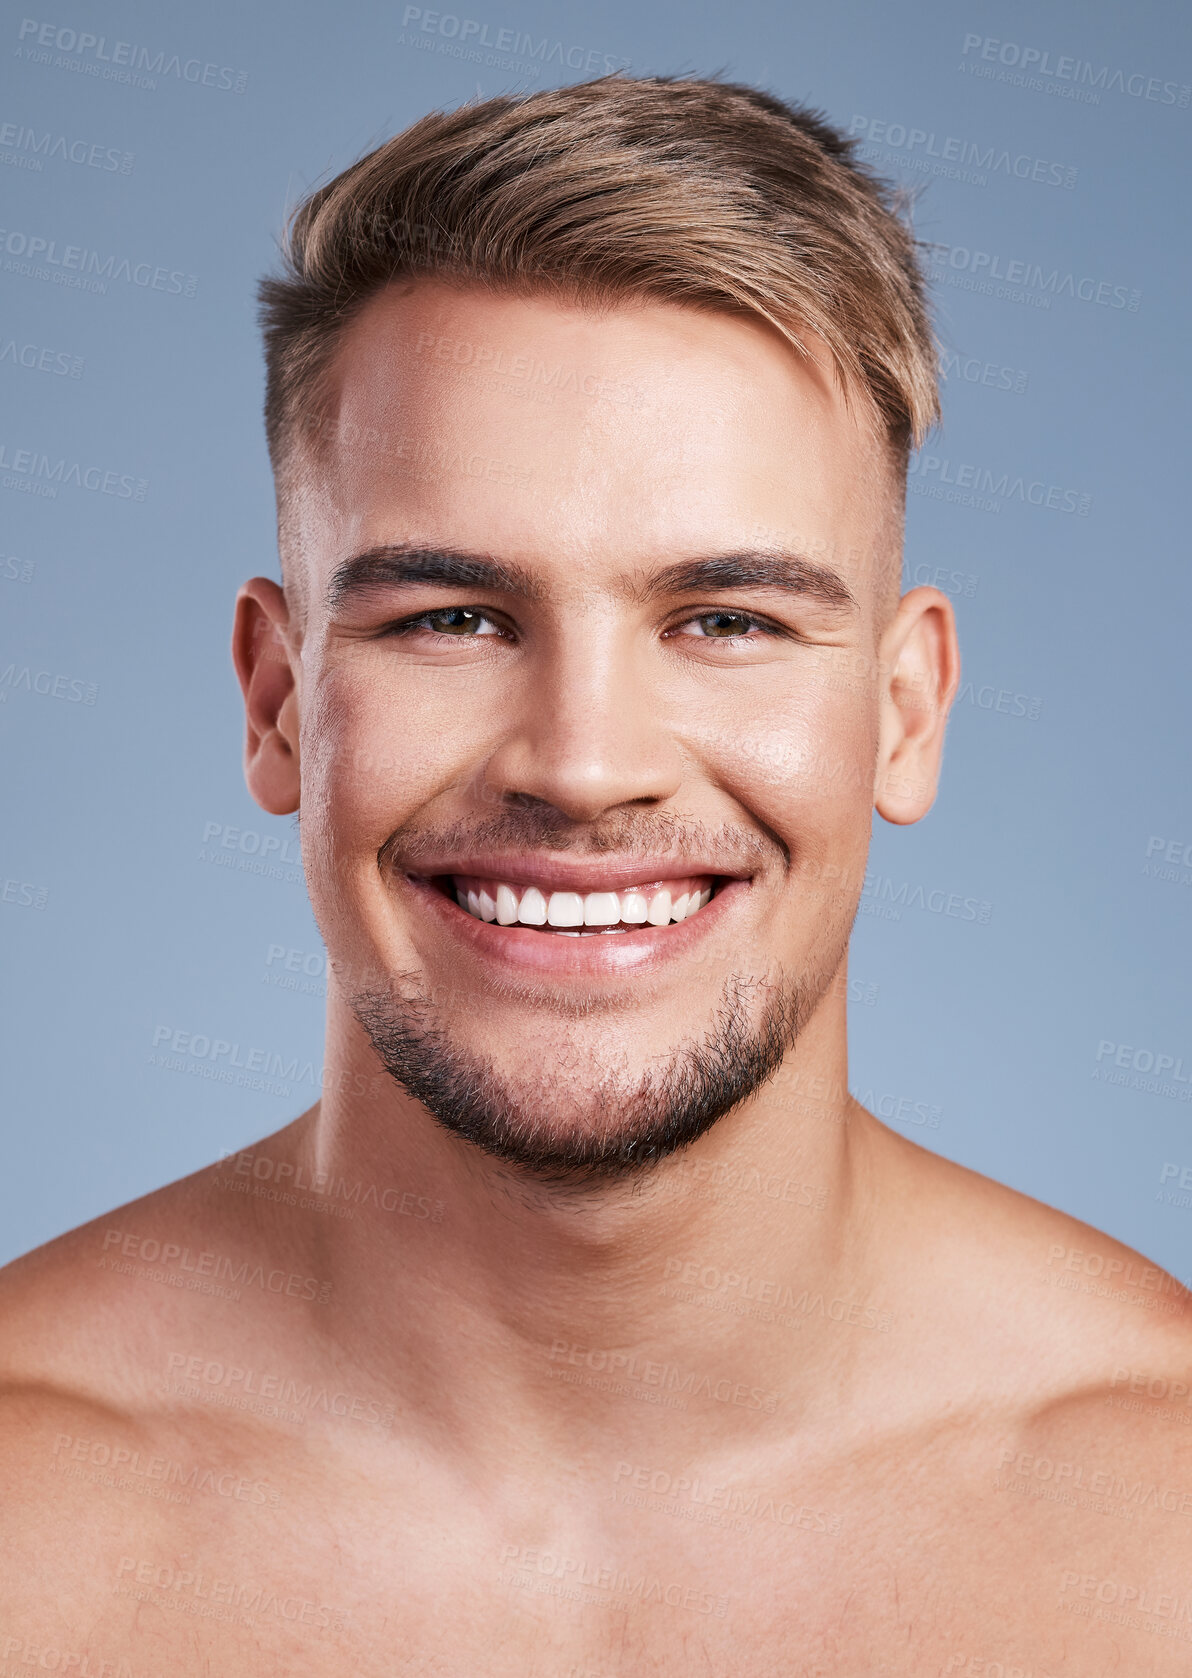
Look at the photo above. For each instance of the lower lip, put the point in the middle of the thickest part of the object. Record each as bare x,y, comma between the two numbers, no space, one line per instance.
532,951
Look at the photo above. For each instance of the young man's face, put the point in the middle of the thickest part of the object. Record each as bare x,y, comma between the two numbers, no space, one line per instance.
598,605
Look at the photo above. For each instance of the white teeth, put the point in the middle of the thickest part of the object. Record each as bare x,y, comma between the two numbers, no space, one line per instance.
532,909
634,908
659,912
602,908
566,911
565,908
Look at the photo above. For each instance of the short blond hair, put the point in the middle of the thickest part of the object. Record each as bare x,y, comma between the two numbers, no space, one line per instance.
695,192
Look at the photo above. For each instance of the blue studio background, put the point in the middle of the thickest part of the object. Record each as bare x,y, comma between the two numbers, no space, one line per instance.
1046,1038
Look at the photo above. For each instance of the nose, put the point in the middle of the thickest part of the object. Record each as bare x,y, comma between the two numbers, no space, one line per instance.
590,734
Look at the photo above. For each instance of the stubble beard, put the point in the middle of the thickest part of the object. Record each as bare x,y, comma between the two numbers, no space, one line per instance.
575,1123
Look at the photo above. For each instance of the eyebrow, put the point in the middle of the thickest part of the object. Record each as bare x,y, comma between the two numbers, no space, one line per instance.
752,569
379,569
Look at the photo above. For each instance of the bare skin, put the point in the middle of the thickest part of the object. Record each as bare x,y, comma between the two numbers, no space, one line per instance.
803,1398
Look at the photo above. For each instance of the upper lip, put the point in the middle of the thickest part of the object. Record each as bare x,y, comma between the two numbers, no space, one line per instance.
573,873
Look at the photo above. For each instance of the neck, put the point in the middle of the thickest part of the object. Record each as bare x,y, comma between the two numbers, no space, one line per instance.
719,1288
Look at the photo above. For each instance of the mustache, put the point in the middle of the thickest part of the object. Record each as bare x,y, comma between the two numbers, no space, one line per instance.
652,834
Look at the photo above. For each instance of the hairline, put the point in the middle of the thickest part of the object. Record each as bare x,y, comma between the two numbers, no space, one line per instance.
309,431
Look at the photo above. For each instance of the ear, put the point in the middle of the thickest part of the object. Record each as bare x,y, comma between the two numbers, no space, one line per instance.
266,663
920,663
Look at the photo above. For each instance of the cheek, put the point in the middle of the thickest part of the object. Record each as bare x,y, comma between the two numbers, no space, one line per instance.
375,751
803,764
356,766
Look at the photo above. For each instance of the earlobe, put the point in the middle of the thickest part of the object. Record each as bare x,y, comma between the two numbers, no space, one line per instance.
921,660
265,666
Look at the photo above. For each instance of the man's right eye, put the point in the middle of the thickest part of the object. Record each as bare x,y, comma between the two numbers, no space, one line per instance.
457,621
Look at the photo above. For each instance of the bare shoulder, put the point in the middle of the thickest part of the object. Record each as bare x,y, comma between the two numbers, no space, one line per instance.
1094,1469
105,1457
93,1317
1080,1346
1038,1303
1053,1370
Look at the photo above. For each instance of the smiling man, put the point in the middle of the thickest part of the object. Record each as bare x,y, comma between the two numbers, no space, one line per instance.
587,1325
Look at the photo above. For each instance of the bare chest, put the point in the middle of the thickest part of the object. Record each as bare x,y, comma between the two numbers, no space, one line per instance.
974,1587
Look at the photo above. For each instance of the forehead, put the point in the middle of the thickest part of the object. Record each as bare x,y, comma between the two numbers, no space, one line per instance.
582,440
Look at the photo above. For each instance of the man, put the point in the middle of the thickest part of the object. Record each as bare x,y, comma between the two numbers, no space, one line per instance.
586,1325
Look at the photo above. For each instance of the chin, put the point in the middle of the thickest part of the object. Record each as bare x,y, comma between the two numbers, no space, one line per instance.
575,1115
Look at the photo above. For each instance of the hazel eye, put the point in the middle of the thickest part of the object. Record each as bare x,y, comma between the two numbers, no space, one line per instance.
459,621
722,626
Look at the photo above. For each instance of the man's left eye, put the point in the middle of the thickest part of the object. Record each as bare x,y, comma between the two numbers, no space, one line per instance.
452,620
720,626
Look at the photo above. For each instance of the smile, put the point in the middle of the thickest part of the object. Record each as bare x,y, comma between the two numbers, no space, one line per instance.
571,913
565,920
